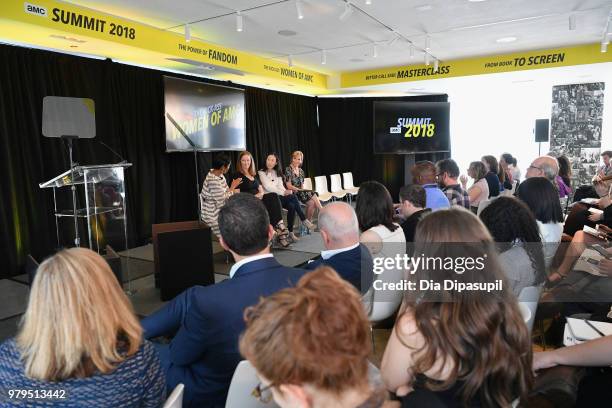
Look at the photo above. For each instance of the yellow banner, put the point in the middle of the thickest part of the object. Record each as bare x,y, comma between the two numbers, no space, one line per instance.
561,57
90,23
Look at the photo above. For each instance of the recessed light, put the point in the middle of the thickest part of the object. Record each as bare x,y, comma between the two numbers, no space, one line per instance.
424,7
506,39
287,33
356,60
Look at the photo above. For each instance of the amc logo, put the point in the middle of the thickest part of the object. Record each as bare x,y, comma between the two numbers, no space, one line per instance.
34,9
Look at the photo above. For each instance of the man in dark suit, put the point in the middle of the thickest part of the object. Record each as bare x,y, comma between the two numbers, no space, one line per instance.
343,252
208,320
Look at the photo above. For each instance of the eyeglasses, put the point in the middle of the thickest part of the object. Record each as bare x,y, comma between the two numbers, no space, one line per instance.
534,167
263,393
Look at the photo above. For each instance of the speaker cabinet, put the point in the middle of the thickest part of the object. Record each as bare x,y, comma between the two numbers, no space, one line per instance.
183,257
541,130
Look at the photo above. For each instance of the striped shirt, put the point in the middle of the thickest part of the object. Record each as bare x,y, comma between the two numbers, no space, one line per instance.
215,193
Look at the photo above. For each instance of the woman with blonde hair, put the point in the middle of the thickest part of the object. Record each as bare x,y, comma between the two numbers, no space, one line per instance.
478,191
294,179
468,348
310,350
80,337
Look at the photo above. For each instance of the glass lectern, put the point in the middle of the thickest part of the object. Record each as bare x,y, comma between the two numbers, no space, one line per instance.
102,203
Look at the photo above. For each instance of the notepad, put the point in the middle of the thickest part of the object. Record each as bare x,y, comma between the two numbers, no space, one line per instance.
591,201
577,331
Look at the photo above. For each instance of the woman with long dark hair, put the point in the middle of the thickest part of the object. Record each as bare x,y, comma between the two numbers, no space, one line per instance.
271,178
564,179
468,348
495,180
516,233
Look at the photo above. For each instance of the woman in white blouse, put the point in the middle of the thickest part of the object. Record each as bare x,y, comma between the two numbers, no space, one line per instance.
215,192
271,179
480,189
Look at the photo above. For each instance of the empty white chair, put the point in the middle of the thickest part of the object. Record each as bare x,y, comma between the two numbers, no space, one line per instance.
175,400
482,205
243,382
529,298
321,189
307,183
336,186
347,182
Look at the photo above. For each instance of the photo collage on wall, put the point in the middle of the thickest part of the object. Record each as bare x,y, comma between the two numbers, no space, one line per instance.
575,127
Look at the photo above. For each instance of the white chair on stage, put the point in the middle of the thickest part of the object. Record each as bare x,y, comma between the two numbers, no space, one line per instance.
307,183
321,189
347,182
243,382
336,187
175,400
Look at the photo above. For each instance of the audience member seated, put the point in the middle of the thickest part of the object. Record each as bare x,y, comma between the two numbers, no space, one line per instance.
250,185
603,187
208,320
513,167
343,251
542,198
479,190
383,237
594,390
294,179
581,215
515,230
424,173
492,175
458,348
564,178
544,166
272,180
215,192
412,206
578,285
505,162
447,173
79,336
310,346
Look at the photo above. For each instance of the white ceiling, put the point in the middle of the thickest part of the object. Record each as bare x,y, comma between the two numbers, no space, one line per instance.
457,28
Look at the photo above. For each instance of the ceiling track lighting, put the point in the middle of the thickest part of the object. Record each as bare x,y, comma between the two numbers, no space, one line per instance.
187,33
298,8
375,51
436,65
393,40
323,57
348,10
239,22
289,61
427,59
572,22
411,51
427,43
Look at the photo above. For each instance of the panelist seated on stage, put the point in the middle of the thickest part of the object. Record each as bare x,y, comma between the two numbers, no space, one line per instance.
208,320
343,252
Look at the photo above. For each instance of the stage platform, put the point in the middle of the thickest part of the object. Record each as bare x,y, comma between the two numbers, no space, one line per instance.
138,268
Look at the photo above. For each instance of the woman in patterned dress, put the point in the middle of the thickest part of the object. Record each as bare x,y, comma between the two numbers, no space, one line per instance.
294,179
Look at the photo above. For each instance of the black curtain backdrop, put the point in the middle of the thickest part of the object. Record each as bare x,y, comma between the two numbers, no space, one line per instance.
130,119
345,132
335,135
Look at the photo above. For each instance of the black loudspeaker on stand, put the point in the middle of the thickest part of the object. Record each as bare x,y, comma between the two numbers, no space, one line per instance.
541,132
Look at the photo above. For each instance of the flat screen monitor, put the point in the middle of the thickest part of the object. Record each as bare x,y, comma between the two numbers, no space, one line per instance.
212,116
411,127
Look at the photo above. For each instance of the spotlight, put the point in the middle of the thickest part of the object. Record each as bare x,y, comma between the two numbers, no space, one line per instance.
298,7
239,25
187,33
427,59
572,22
436,65
323,57
290,61
427,43
368,2
604,47
348,10
411,50
375,51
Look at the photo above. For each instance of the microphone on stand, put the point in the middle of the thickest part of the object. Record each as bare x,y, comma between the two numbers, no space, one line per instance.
112,151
